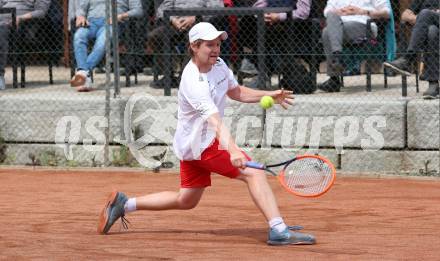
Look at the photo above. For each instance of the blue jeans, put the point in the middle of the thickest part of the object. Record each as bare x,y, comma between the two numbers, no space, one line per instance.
95,30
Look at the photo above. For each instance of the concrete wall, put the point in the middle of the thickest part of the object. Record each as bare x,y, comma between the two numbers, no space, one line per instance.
337,122
348,131
423,124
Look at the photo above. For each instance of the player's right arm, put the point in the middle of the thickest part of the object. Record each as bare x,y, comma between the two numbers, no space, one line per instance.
196,91
203,103
226,140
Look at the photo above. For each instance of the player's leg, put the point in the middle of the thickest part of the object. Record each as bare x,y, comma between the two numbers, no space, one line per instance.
262,194
186,198
218,160
118,204
193,181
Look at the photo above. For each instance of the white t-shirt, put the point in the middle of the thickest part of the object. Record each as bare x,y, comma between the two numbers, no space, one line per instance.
369,5
200,96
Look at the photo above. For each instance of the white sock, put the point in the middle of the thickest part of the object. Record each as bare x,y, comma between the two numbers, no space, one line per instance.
277,224
130,205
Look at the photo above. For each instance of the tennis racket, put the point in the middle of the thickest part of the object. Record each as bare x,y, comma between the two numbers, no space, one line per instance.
304,176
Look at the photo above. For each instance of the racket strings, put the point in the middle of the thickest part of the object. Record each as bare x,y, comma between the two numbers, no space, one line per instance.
308,176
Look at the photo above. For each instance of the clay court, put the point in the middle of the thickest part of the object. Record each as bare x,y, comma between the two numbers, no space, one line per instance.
52,215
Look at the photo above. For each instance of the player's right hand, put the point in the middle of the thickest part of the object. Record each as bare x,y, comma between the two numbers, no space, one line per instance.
238,159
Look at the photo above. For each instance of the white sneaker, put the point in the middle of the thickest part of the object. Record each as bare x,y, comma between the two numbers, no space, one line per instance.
87,87
2,83
79,79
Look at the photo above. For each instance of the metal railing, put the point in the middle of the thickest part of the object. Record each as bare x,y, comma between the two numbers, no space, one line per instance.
236,11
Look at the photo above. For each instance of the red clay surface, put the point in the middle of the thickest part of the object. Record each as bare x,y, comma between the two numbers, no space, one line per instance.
52,215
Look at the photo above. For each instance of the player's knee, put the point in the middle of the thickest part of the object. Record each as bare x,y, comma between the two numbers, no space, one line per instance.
253,175
260,175
187,203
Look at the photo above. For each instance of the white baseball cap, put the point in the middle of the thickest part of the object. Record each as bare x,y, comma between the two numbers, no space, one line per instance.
205,31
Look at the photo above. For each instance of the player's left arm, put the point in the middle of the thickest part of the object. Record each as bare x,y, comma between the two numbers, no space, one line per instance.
248,95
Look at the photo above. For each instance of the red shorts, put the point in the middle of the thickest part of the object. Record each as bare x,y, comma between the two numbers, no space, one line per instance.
197,173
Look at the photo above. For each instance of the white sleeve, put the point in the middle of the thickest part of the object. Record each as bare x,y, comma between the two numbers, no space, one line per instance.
381,5
195,89
232,82
331,4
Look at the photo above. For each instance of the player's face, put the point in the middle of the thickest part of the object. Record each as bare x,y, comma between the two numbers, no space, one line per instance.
208,51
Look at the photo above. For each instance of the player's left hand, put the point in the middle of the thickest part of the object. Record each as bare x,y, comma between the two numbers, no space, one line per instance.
283,97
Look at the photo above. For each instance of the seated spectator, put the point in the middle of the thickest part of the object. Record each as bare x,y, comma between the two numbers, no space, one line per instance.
424,15
91,24
285,34
409,15
180,27
346,23
25,10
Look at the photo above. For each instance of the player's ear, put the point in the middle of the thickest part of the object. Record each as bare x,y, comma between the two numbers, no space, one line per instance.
193,47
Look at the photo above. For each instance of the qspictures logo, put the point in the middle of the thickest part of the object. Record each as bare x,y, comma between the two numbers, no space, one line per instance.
144,125
149,123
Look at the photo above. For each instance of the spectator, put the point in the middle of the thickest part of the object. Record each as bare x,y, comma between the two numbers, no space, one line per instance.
90,21
25,10
293,32
424,15
410,14
180,27
346,22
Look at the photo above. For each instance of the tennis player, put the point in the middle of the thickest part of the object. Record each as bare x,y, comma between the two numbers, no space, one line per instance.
204,145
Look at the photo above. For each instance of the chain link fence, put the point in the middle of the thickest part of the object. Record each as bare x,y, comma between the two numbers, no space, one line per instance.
366,117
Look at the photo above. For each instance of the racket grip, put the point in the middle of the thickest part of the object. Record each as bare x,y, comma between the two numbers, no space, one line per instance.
255,165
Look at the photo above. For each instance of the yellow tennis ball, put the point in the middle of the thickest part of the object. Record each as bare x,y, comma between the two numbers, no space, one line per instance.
266,102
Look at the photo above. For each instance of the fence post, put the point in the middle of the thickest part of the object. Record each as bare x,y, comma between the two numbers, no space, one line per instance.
115,43
107,82
167,61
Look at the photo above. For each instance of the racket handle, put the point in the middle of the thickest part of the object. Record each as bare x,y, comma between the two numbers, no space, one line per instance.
255,165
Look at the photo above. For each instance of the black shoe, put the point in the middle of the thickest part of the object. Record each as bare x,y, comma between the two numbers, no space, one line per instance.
331,85
160,84
432,92
400,65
